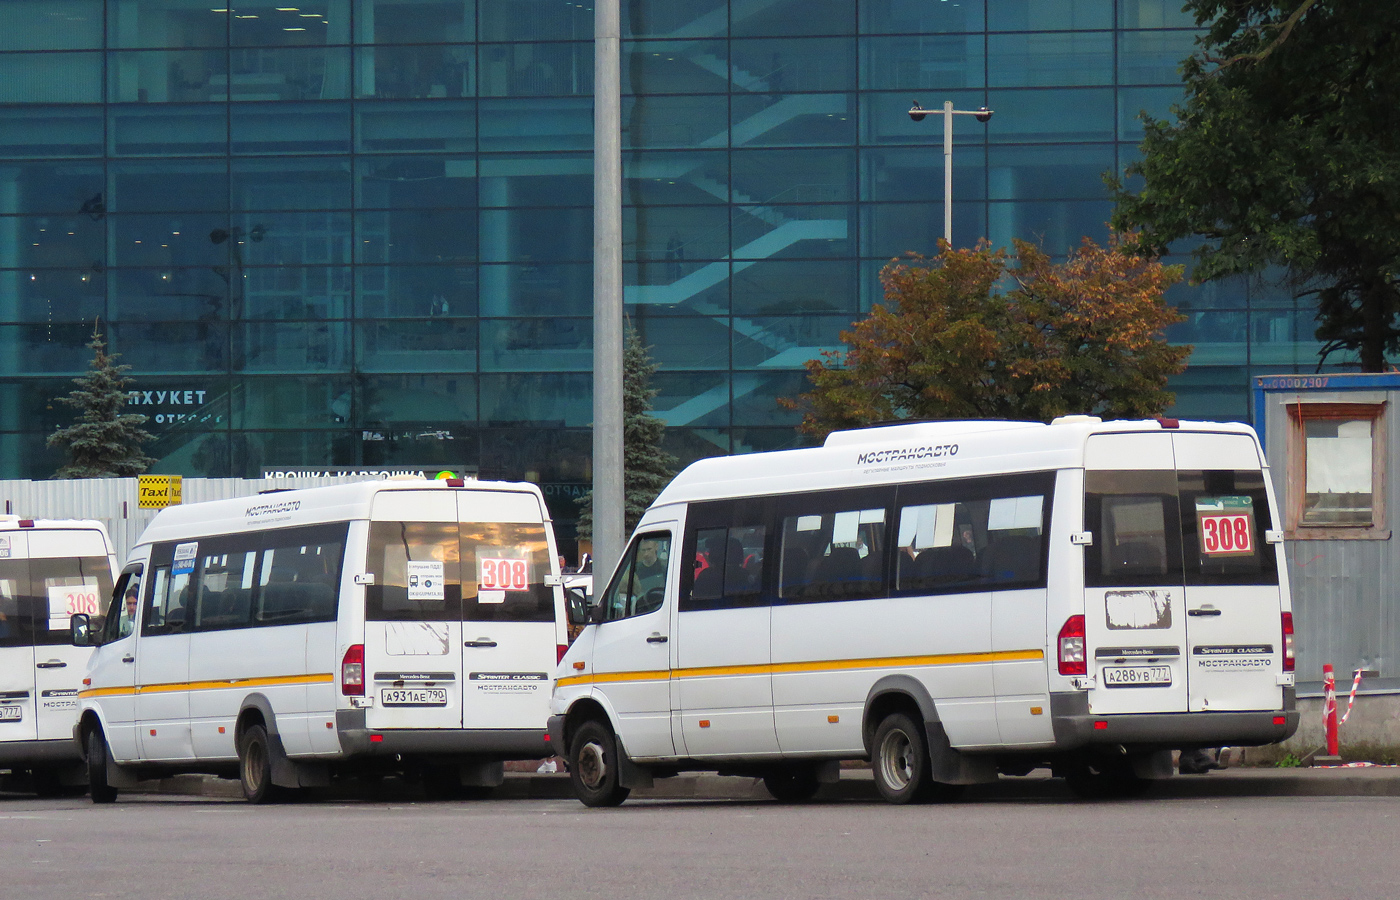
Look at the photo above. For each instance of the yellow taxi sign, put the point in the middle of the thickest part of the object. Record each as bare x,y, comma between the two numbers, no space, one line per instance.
158,491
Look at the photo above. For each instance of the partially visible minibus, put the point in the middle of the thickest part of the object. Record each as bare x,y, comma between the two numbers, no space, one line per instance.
49,570
403,626
950,601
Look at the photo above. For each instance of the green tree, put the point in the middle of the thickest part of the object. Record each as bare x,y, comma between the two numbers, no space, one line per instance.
646,467
1082,336
104,442
1286,152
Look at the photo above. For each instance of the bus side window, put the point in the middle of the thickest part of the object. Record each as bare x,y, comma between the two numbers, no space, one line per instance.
166,604
640,584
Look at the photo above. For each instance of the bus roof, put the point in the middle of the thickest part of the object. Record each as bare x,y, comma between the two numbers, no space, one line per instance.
303,506
913,452
16,523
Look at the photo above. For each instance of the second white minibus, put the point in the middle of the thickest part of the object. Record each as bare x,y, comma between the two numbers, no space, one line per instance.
950,601
398,626
49,570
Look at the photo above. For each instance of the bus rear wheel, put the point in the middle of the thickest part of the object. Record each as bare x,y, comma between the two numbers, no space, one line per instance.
901,763
593,766
255,766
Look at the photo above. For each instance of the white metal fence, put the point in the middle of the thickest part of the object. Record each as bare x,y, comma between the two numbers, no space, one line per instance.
113,501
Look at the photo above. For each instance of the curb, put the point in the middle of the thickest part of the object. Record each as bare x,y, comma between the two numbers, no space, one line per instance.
856,785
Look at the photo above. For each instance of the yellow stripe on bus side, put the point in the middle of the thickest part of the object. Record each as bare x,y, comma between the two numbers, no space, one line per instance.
269,681
828,665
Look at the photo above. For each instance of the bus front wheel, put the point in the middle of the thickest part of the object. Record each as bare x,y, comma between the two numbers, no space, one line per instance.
98,788
593,765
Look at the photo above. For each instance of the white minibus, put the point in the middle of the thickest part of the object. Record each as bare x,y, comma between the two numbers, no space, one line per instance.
407,627
950,601
49,570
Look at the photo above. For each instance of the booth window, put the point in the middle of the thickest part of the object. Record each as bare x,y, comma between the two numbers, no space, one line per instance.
1336,470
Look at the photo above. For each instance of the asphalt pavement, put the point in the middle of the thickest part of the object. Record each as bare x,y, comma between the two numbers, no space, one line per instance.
858,785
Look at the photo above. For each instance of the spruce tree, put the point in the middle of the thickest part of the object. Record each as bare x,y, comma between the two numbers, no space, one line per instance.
104,442
646,467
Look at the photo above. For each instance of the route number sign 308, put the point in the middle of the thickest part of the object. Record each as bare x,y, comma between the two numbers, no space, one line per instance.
503,574
1227,534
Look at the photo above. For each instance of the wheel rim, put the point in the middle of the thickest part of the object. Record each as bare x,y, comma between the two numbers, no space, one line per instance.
592,767
897,760
253,765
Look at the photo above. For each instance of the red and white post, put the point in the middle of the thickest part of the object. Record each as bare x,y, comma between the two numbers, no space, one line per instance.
1329,708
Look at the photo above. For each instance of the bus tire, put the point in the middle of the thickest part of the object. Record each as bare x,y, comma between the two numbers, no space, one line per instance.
594,767
255,766
792,784
901,763
98,788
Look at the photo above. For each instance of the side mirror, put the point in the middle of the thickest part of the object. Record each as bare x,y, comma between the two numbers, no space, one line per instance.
80,630
578,606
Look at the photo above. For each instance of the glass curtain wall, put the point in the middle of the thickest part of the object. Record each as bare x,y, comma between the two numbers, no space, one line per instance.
358,232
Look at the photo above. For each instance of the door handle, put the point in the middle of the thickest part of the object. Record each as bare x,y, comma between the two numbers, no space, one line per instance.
481,642
52,664
1203,612
657,639
128,659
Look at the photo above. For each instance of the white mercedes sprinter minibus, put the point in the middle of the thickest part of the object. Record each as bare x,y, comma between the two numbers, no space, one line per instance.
950,601
49,570
295,636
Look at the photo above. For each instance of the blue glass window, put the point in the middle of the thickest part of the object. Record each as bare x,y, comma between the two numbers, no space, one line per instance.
675,237
415,72
921,16
1154,14
536,289
291,183
163,23
1050,60
73,241
756,398
51,295
1059,226
793,17
416,398
162,185
193,348
923,62
429,125
186,130
544,235
793,120
1153,57
695,399
168,293
683,178
530,21
780,287
682,343
537,345
417,345
320,401
561,69
260,23
291,238
781,231
541,399
310,346
50,77
416,236
304,293
916,174
47,132
664,18
787,342
778,176
51,25
675,67
1133,102
885,119
257,128
1049,15
1081,115
675,121
388,22
545,179
183,75
399,182
1052,172
781,66
383,292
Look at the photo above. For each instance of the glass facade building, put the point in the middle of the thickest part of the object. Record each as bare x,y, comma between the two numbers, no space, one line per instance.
358,232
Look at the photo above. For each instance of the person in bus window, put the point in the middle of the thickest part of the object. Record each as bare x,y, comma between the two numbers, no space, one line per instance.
649,580
128,612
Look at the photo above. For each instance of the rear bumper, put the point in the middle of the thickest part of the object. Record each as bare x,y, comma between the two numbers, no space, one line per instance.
496,743
1076,727
14,753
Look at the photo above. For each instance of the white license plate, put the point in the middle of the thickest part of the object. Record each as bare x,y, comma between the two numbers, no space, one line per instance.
1137,676
11,713
413,696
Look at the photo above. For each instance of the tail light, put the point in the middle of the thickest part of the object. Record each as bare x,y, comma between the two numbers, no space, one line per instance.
1288,659
562,648
1071,647
352,671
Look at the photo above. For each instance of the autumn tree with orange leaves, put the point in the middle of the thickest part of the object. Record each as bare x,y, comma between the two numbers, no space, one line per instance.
982,333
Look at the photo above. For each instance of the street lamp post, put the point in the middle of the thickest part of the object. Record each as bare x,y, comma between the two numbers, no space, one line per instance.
917,113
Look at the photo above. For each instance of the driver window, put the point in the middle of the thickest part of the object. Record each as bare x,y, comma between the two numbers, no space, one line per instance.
640,585
121,615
